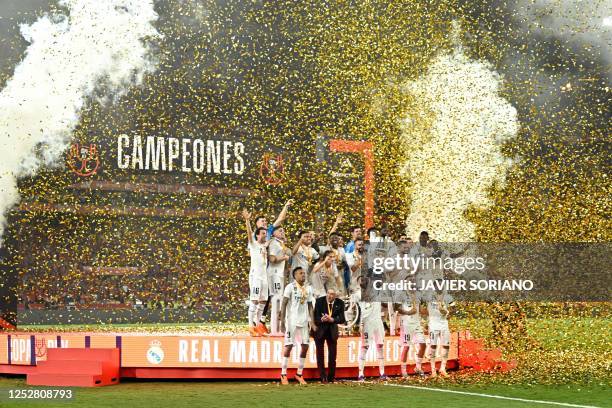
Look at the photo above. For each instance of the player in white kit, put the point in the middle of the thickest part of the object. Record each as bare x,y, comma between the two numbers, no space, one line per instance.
258,279
296,320
438,310
278,254
411,333
372,331
396,274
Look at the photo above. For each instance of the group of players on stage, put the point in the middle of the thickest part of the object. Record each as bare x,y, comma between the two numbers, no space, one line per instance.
347,272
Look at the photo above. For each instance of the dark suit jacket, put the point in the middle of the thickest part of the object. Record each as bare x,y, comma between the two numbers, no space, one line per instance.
337,313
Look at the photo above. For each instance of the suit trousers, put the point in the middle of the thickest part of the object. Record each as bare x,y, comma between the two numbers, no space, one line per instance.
323,336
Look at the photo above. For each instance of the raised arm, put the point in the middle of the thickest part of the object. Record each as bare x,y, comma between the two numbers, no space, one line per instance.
317,267
336,224
297,245
283,214
247,219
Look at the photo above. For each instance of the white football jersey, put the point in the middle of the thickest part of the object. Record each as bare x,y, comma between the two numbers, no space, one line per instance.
276,248
259,259
297,308
413,319
304,258
351,259
437,320
324,280
370,311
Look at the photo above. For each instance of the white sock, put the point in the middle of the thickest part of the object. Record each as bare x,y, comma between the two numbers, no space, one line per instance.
301,365
274,326
381,360
418,361
251,313
362,357
432,360
258,312
284,365
392,318
444,358
404,370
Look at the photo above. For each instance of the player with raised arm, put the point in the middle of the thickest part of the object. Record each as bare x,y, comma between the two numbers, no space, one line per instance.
258,279
296,320
358,265
262,222
278,255
303,254
438,310
372,330
334,245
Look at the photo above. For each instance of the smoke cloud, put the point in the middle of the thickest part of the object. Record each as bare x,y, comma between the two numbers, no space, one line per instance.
454,143
555,56
583,26
95,45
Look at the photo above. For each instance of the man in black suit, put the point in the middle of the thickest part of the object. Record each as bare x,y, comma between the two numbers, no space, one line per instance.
328,314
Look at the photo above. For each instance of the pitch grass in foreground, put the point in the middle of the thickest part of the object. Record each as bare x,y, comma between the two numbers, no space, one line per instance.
238,394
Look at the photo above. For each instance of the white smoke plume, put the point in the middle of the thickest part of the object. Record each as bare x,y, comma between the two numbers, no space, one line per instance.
454,144
97,42
583,25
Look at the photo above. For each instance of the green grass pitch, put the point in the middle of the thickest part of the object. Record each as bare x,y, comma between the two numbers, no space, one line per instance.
237,394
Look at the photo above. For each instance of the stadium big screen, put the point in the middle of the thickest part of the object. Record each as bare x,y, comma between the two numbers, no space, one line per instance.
144,225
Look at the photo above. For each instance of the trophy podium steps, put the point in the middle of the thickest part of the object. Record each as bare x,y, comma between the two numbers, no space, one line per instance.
77,367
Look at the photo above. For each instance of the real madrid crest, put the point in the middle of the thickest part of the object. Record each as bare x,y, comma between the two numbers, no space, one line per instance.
272,169
155,354
83,160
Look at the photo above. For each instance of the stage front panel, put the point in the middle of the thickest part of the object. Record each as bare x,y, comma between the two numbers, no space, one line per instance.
192,351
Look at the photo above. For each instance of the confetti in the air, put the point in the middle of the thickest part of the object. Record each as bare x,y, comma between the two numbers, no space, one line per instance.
489,120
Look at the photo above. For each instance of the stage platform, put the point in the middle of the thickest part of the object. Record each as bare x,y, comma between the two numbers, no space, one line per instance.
192,355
